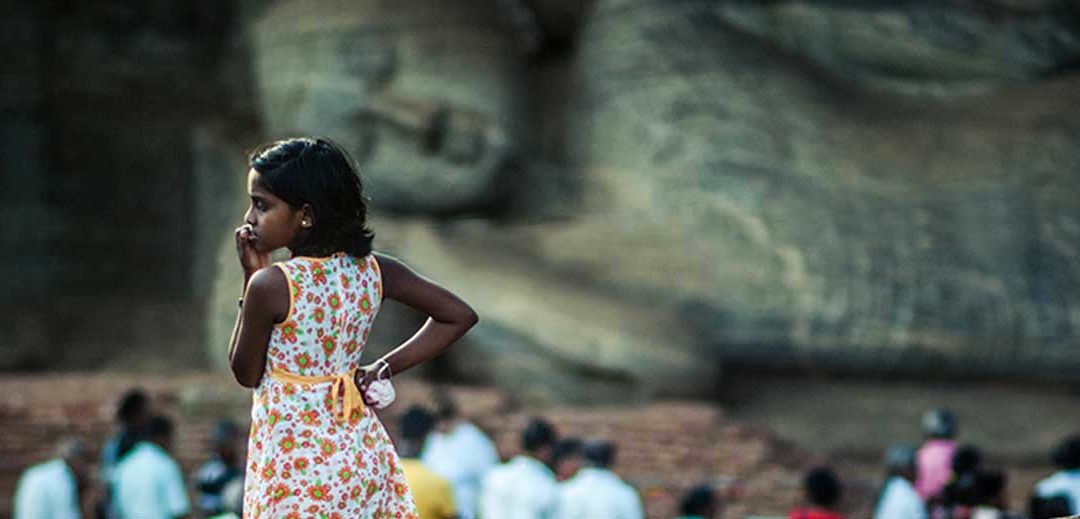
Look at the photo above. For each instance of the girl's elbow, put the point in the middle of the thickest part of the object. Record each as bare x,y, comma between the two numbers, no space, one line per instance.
247,381
244,378
470,318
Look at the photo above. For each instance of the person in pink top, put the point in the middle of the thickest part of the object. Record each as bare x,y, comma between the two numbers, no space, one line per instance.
934,463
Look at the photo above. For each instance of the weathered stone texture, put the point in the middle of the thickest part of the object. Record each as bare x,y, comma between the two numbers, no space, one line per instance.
799,217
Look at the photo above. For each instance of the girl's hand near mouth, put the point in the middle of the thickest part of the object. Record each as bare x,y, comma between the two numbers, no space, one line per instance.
251,259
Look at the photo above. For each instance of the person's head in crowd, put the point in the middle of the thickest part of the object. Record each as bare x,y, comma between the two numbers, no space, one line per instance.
699,501
989,489
965,468
226,440
939,424
967,460
599,454
900,461
566,458
446,411
133,410
1066,455
76,456
416,423
538,439
822,488
159,430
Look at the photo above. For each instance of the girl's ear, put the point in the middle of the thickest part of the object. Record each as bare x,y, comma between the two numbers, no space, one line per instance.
307,217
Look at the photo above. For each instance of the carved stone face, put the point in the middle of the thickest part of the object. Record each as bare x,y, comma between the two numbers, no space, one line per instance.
424,97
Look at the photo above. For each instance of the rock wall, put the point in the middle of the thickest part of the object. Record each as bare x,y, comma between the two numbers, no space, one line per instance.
102,107
772,184
631,192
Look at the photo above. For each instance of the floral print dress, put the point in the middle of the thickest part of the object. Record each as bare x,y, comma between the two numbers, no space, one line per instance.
311,454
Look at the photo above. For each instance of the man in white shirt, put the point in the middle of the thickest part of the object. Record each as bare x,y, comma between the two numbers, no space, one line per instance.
51,489
524,487
899,499
596,491
148,482
1065,483
460,452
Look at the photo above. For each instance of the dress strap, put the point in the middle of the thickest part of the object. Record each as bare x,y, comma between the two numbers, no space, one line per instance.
346,396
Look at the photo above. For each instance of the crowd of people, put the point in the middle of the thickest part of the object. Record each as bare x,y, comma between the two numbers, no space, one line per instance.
138,475
454,471
945,479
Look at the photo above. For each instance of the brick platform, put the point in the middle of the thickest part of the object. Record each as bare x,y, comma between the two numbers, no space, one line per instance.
663,448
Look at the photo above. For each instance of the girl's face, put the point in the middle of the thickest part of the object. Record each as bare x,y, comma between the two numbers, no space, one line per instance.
274,224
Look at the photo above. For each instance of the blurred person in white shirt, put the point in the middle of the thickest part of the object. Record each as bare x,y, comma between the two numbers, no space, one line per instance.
524,487
51,489
1065,483
460,452
596,491
899,499
148,482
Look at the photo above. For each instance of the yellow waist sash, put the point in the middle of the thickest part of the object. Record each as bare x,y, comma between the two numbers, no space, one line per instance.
346,396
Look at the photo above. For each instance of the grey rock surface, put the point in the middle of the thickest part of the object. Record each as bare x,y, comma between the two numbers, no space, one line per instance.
816,185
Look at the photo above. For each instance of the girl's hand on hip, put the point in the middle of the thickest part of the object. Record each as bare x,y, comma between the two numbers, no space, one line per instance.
251,260
367,375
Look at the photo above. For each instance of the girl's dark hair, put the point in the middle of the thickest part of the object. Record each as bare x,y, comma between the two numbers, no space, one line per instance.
319,173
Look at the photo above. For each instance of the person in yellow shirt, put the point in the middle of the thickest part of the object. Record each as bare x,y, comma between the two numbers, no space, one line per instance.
432,493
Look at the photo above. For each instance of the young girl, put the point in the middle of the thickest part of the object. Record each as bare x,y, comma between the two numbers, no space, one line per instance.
316,449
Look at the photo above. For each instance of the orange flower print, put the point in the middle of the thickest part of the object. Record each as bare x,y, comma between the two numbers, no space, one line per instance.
288,389
327,448
268,472
319,315
274,417
371,488
334,301
302,360
329,344
400,489
288,331
301,464
279,492
351,346
365,304
345,474
310,417
292,515
369,441
345,281
318,275
287,443
319,492
354,416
